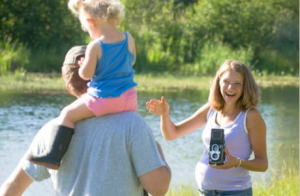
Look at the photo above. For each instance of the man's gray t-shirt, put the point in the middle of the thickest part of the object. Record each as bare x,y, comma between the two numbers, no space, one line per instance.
106,156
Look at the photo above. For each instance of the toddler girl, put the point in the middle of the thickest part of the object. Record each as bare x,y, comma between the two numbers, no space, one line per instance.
107,64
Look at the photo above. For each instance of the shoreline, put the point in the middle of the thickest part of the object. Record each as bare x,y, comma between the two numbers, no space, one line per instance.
54,84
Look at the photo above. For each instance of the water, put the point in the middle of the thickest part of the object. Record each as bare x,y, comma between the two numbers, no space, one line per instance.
21,116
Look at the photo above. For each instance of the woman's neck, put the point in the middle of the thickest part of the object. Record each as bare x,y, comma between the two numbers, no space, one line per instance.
230,110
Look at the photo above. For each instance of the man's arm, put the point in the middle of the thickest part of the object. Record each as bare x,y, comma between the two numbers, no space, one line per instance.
16,184
19,180
157,181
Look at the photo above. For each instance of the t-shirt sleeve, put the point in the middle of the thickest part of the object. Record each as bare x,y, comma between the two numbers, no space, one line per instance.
36,172
37,146
144,152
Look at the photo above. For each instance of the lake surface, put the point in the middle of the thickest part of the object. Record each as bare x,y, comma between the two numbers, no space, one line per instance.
21,116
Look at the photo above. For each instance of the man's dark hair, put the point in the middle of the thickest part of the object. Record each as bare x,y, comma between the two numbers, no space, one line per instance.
72,78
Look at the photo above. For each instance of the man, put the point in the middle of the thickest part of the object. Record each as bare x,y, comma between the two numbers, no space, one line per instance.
109,155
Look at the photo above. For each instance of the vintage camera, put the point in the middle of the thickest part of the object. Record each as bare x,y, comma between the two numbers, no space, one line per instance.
217,147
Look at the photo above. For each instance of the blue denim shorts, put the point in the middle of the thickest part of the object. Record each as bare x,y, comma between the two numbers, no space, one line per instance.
246,192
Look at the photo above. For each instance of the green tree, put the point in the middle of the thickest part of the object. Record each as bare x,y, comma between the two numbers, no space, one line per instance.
38,24
170,35
282,57
43,28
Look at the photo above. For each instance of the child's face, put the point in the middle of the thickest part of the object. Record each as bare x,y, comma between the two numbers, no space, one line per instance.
231,86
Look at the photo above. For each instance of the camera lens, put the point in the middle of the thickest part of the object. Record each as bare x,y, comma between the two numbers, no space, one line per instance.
215,147
215,156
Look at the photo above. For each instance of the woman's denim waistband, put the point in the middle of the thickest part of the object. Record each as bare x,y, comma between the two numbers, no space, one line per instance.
246,192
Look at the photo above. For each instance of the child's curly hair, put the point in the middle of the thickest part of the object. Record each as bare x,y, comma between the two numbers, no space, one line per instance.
105,9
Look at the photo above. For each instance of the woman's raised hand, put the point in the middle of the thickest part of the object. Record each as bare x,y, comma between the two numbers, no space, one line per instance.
158,107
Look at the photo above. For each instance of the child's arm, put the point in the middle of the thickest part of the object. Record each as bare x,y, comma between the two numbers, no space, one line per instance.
92,54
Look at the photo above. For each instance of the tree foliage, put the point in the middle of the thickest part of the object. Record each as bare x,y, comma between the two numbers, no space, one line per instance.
190,36
38,24
173,34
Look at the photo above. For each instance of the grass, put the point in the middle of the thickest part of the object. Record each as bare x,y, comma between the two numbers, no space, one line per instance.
284,182
53,83
182,190
32,83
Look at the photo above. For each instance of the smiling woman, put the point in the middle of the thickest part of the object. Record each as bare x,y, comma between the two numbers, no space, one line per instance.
234,96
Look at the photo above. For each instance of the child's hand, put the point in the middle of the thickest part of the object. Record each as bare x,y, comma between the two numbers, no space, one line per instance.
80,62
158,107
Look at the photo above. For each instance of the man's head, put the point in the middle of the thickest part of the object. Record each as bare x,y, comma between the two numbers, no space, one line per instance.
75,84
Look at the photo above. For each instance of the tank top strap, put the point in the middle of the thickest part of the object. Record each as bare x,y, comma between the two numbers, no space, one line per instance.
126,38
210,113
241,119
126,35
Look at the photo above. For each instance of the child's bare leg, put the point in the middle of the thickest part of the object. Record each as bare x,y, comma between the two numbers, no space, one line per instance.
73,113
61,135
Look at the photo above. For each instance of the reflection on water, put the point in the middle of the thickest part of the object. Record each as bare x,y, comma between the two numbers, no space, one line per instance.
280,109
22,115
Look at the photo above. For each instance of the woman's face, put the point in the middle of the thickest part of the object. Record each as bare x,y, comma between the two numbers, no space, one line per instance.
231,86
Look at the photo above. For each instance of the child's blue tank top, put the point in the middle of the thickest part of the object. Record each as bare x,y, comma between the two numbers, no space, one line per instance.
114,72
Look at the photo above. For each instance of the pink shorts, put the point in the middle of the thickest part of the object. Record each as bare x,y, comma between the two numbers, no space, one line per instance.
100,106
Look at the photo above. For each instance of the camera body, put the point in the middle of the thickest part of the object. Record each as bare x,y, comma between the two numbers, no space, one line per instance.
217,147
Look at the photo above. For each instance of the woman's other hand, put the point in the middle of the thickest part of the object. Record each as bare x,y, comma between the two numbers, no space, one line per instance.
229,163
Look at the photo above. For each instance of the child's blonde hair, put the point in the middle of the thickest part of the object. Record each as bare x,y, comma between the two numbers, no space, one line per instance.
105,9
250,97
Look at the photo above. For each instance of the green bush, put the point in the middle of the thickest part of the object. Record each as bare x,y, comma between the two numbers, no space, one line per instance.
171,36
47,61
13,56
213,55
39,24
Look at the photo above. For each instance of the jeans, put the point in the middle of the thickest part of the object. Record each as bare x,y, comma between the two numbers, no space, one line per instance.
246,192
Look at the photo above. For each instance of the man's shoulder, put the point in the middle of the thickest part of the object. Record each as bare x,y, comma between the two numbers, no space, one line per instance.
126,124
114,117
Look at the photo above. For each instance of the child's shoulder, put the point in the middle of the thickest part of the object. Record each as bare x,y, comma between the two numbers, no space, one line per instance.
130,37
94,46
131,42
94,43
